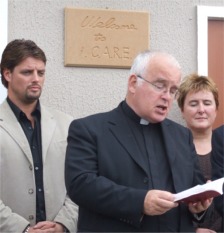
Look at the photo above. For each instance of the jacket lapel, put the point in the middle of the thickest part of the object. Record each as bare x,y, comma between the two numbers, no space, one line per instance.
121,130
9,123
47,130
171,148
168,141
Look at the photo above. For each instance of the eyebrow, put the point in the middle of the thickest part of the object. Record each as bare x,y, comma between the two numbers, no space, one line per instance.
199,100
162,80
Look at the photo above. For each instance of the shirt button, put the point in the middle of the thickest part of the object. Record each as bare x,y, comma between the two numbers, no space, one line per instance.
30,191
40,190
36,168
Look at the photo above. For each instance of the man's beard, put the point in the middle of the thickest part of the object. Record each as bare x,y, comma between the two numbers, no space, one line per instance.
30,98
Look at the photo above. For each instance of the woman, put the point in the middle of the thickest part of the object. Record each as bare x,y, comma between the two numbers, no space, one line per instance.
198,101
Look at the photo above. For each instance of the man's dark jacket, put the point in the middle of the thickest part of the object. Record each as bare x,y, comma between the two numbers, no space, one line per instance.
218,165
108,178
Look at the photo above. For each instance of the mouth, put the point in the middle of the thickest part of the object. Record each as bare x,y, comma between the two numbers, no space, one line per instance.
36,87
162,107
161,110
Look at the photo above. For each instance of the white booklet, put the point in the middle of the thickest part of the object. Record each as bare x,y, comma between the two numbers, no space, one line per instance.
201,192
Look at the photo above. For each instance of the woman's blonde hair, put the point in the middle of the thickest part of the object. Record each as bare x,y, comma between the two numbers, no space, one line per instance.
195,83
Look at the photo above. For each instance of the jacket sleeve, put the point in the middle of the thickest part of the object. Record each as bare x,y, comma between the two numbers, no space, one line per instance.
68,215
92,190
11,222
218,163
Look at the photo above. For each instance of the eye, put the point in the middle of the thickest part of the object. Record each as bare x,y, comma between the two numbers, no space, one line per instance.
193,103
26,72
207,103
173,90
41,73
159,85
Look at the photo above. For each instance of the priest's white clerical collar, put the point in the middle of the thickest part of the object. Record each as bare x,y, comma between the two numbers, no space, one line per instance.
144,122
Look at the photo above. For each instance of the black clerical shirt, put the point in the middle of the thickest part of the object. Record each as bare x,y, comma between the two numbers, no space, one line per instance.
33,135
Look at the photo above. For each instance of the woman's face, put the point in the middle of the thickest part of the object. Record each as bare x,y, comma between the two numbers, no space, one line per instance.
199,110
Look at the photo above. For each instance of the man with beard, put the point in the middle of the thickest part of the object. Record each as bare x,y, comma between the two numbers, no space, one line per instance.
33,141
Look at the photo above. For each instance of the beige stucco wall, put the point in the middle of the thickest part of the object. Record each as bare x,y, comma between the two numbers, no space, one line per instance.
84,91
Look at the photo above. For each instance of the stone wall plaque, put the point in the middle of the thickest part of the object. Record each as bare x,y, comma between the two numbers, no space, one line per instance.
104,38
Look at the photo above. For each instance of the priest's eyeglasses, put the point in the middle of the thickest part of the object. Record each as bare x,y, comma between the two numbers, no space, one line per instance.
161,87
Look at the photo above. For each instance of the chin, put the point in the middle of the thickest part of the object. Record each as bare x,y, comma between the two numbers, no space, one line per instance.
32,99
157,119
34,95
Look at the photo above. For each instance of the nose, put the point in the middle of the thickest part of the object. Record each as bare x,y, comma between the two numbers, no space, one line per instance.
201,109
167,94
35,76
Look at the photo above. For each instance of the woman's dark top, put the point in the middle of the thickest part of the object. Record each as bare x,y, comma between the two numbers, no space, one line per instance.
214,220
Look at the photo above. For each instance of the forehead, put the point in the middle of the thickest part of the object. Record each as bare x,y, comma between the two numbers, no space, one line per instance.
31,62
200,95
163,68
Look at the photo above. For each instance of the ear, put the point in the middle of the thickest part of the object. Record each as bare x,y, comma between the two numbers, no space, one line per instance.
7,74
132,83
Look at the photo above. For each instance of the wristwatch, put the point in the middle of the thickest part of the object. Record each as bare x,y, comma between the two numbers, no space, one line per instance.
26,229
